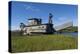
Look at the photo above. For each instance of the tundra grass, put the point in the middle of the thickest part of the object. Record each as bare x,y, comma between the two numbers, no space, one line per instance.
43,43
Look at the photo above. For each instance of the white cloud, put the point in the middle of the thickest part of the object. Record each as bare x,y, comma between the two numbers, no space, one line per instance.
32,8
28,7
15,28
62,20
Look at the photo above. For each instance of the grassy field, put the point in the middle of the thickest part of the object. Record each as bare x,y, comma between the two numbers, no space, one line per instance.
43,42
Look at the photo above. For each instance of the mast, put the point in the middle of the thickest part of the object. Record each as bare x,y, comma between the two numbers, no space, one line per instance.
50,18
22,25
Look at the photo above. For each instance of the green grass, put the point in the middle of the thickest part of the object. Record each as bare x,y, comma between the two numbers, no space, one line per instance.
43,42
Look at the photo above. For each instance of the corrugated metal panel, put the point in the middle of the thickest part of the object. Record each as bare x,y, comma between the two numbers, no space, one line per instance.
65,25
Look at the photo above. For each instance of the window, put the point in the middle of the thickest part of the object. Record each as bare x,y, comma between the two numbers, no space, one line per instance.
42,26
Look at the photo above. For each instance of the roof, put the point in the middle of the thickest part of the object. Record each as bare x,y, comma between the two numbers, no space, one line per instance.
33,19
38,25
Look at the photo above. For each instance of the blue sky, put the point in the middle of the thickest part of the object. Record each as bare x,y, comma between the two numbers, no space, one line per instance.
21,11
